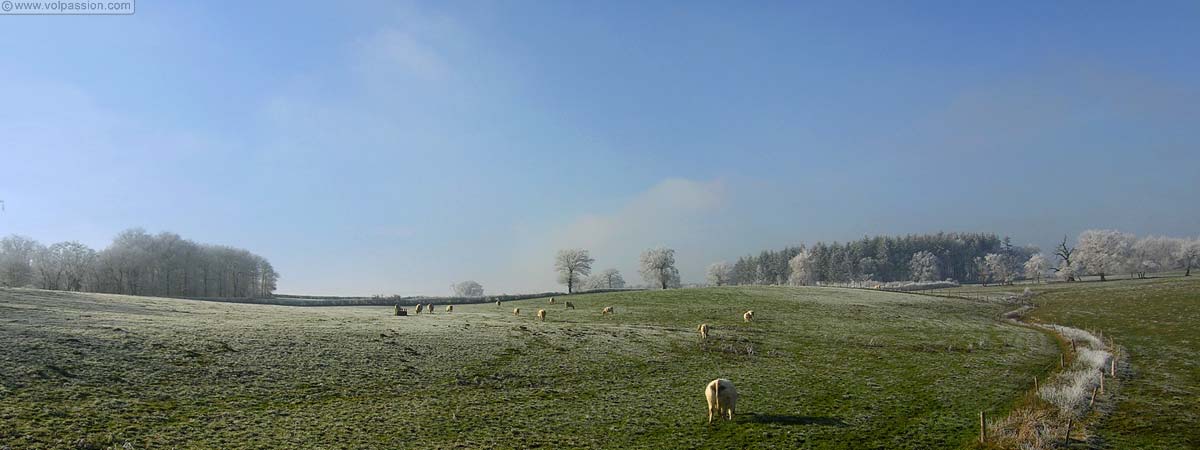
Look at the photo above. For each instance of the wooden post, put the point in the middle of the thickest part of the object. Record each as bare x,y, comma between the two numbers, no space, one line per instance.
1067,436
1093,400
1113,366
1062,361
1035,384
1073,346
982,428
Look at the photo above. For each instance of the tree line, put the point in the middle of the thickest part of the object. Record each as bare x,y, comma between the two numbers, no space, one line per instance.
963,257
880,258
138,263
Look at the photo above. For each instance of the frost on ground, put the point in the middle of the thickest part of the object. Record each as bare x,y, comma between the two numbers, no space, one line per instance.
894,285
836,368
1070,392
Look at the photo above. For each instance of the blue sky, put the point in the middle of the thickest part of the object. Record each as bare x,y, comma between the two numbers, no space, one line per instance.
397,148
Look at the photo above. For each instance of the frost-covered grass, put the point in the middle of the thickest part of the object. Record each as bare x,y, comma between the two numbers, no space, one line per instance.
1071,389
819,367
895,285
1156,322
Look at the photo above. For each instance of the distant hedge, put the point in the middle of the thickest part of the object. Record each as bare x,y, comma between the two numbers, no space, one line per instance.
303,300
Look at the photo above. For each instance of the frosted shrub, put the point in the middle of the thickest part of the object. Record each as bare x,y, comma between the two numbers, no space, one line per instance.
1078,335
1071,390
1093,358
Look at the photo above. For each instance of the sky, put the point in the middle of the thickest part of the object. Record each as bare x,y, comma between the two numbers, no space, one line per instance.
396,148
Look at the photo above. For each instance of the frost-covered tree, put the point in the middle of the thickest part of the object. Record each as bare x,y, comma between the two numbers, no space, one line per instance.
1104,252
138,263
801,269
16,260
572,265
658,267
1000,267
924,266
49,266
1066,268
469,288
1152,254
1188,255
268,277
78,260
606,279
979,266
720,273
1035,267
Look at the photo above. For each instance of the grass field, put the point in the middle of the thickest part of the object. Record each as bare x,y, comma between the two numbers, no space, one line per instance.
1158,322
819,368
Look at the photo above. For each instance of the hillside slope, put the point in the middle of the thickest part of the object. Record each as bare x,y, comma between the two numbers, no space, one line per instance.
819,368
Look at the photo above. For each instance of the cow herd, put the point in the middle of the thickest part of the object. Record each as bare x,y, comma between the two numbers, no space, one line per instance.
720,393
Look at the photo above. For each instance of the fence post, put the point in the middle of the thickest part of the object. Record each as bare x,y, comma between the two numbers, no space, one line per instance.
982,428
1035,384
1101,381
1113,366
1067,435
1093,400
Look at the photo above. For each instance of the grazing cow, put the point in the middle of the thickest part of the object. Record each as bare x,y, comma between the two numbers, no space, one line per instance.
703,329
419,307
722,398
497,302
429,307
516,311
449,308
542,315
748,316
607,310
551,300
570,305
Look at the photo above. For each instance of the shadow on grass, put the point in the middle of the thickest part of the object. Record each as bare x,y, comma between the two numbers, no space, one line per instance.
788,419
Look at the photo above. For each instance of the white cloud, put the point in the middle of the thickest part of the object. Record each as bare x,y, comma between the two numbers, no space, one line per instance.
391,52
671,213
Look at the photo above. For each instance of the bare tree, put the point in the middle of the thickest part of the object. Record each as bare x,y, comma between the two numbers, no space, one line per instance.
658,267
572,265
50,265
